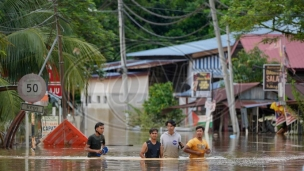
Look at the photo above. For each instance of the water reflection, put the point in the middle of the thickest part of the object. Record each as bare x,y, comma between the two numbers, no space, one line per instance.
240,152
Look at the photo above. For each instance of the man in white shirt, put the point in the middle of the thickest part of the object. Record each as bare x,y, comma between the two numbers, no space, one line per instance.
170,141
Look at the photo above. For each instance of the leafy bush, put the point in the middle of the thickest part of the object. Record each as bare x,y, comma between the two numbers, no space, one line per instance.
153,113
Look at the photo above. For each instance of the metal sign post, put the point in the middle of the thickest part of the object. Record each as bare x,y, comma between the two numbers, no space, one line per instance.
31,88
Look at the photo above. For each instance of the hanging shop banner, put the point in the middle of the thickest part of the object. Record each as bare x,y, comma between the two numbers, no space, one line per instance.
201,84
271,77
49,123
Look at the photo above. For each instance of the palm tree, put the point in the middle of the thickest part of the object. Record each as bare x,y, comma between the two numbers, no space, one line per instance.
28,32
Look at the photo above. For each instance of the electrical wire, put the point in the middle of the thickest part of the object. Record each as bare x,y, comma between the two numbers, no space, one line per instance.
224,5
27,14
154,34
154,23
36,26
168,17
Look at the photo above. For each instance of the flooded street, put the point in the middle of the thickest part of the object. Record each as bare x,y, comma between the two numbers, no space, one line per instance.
229,152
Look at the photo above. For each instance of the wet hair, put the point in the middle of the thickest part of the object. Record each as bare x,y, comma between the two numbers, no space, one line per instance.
200,127
152,130
172,122
98,124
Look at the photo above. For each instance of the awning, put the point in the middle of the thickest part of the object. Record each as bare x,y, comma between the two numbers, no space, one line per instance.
141,64
216,72
288,90
219,95
249,104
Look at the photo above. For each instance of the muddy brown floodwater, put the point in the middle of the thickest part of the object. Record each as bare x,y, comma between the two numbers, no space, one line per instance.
229,153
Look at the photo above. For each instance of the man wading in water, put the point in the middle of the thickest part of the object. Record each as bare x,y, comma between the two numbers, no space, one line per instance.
151,148
96,141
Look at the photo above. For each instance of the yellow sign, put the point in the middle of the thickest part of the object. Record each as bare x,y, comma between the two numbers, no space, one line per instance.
201,84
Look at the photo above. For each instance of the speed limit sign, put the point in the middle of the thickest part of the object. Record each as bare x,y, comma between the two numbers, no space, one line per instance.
31,88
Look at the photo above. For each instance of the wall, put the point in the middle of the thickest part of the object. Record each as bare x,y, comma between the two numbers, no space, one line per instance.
105,99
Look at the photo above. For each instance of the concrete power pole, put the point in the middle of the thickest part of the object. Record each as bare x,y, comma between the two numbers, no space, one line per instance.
231,79
223,64
123,60
61,63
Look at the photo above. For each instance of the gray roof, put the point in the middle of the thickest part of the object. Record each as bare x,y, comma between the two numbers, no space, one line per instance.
184,49
197,46
141,64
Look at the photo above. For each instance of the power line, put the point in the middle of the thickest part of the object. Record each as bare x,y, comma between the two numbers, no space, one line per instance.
154,23
168,17
224,5
154,34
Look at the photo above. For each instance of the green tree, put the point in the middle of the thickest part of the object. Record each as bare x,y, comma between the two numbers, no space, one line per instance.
283,15
244,66
161,97
161,34
91,26
27,33
154,112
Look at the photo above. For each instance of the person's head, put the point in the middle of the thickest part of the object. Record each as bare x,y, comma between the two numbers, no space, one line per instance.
199,131
99,128
153,133
170,125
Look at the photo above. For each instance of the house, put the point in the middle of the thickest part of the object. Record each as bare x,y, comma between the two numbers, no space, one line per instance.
177,64
173,63
105,99
294,51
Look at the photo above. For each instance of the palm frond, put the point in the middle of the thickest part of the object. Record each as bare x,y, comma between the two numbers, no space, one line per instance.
25,53
9,103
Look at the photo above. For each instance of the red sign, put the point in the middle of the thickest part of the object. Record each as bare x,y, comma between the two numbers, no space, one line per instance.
54,83
55,89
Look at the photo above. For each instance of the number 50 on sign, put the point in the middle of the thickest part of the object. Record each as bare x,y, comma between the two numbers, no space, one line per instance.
31,88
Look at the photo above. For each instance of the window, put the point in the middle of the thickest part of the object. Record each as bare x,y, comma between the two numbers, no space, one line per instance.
98,99
89,99
105,99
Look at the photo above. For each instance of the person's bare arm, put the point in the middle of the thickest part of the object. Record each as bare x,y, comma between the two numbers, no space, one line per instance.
208,151
143,150
88,149
181,145
161,151
188,150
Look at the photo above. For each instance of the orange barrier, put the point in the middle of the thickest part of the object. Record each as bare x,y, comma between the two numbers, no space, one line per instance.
65,134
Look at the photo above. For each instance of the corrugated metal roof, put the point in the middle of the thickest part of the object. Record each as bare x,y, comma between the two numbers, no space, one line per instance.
140,64
216,73
288,90
109,75
197,46
219,95
294,49
249,103
184,49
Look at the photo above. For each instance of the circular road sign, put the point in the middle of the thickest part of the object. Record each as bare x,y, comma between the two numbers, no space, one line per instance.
31,88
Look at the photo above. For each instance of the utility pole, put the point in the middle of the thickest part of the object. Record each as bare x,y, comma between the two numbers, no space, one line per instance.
223,64
282,83
231,79
61,63
124,69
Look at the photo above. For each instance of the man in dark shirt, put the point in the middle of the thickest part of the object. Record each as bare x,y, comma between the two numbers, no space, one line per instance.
96,142
151,148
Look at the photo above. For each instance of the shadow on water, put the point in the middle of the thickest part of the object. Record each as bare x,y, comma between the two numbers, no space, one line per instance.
229,152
